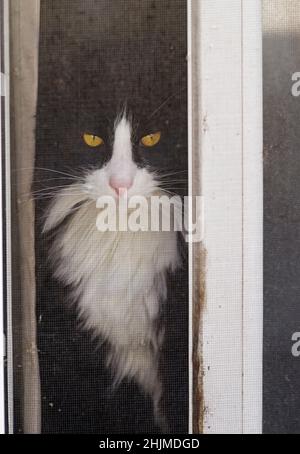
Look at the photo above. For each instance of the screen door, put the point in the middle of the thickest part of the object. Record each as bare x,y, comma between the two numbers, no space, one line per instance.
94,73
132,330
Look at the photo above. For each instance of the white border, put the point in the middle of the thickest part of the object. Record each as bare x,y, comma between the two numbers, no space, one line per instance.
230,80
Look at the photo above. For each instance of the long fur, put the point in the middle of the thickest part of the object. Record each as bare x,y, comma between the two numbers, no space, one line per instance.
118,281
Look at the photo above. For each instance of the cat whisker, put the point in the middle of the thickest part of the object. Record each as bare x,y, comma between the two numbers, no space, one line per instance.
53,188
50,195
172,190
44,180
83,170
165,102
171,185
46,170
174,185
50,190
166,175
170,193
169,190
167,182
47,197
74,209
172,178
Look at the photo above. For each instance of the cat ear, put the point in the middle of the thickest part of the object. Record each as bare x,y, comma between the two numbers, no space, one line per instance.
63,204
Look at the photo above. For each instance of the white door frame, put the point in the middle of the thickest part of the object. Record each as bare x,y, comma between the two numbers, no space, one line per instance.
230,124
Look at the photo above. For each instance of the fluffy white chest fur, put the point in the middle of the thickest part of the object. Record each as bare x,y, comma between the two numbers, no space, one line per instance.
118,279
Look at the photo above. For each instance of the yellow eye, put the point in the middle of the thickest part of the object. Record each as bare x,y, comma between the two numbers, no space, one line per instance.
151,140
92,141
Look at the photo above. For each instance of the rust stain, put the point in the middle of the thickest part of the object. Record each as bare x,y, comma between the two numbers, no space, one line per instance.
199,298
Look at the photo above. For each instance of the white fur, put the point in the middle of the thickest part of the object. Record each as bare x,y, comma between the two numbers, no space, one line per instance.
118,278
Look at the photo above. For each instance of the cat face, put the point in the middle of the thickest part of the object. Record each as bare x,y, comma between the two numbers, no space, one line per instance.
88,156
128,153
89,141
127,167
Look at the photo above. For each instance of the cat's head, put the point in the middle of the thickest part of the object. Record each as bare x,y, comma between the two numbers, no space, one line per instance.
89,77
127,159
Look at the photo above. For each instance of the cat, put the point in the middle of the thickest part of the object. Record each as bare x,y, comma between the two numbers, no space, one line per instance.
99,367
118,279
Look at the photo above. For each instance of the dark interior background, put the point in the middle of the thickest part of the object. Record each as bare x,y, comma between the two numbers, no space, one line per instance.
281,228
106,53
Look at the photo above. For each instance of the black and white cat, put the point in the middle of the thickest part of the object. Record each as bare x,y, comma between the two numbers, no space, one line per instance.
118,279
129,289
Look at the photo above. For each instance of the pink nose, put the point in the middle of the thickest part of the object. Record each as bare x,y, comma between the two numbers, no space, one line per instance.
118,184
